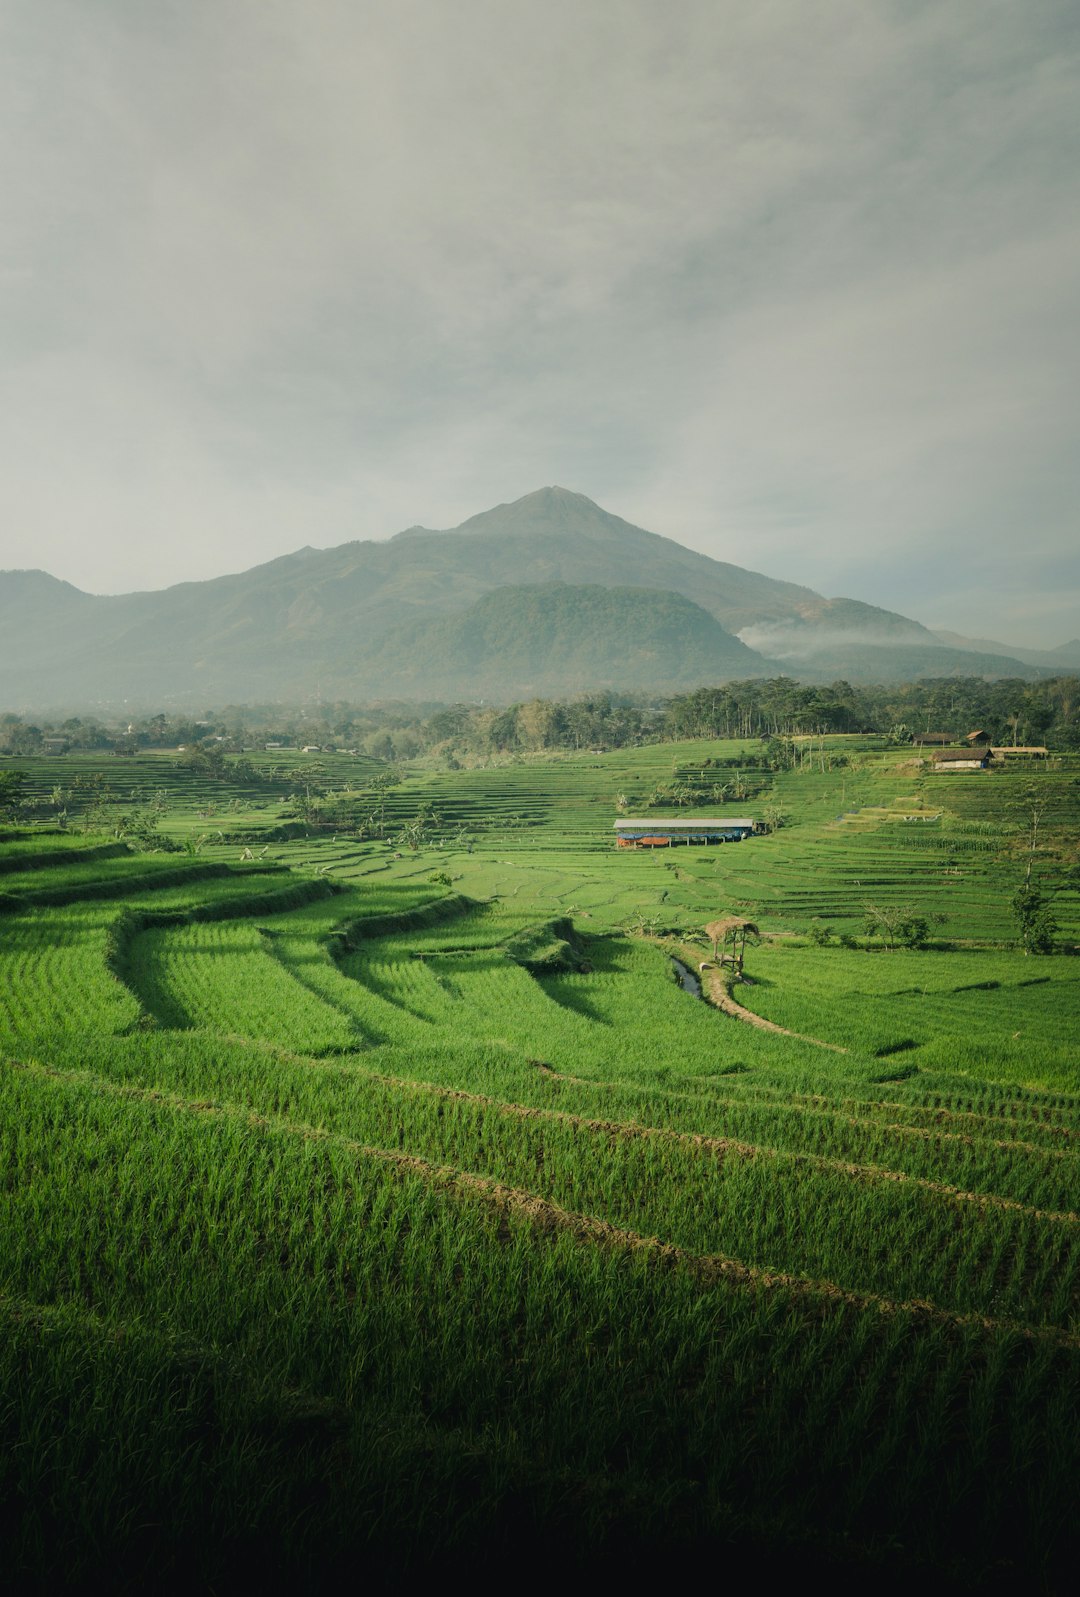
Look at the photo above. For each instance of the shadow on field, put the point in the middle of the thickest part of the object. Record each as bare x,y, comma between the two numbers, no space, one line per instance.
764,982
903,1047
562,991
901,1073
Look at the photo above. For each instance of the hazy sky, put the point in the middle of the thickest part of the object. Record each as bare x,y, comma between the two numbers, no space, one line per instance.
792,281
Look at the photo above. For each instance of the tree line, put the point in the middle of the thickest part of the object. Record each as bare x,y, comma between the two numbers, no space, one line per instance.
1010,711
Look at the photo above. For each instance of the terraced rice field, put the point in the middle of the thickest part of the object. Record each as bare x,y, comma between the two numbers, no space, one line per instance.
355,1220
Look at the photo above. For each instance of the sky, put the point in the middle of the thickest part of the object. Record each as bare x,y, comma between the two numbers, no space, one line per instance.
793,283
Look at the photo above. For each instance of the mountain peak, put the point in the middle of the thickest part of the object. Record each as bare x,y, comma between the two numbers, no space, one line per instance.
32,575
31,582
549,510
554,495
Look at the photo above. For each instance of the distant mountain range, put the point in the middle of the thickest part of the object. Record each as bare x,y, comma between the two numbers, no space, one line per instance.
1064,658
548,595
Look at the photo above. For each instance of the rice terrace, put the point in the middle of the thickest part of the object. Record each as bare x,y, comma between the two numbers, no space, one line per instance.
377,1197
539,798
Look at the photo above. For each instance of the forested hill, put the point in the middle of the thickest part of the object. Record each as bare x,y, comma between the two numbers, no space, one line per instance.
554,638
345,616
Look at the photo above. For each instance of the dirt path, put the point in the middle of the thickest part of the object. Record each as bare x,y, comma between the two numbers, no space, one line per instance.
716,990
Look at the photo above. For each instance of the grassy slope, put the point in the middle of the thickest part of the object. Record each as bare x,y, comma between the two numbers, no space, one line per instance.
332,1233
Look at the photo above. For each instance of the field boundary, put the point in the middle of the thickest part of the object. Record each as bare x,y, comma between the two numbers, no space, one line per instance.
720,1147
131,923
347,937
117,887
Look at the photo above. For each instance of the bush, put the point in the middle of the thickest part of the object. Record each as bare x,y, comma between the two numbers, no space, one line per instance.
901,926
1034,920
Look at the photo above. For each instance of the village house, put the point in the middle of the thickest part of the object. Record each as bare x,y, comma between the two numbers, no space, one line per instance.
960,759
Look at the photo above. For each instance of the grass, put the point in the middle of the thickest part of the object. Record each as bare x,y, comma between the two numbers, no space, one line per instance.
956,1010
353,1219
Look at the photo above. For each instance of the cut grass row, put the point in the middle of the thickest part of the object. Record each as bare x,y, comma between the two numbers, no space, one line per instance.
374,1326
806,1215
624,1020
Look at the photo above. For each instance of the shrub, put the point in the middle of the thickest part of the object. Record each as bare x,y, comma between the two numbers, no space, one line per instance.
1034,920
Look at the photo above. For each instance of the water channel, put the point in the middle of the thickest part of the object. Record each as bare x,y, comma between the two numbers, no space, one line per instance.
687,978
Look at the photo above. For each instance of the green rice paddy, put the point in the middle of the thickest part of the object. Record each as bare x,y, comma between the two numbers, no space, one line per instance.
382,1203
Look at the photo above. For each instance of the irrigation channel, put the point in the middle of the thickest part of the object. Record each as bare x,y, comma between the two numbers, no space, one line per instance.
687,979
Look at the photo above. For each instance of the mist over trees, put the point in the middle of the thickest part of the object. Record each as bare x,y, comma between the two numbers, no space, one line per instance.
1008,712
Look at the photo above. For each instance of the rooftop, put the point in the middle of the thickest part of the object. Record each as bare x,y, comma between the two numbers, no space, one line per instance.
656,823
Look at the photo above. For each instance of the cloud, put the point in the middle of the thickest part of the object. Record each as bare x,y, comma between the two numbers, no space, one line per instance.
794,284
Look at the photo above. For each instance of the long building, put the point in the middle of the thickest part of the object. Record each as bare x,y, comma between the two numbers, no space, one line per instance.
972,759
656,833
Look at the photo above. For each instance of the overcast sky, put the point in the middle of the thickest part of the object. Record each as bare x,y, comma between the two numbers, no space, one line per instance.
794,282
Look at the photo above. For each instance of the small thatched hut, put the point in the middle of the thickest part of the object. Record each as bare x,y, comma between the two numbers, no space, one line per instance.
734,929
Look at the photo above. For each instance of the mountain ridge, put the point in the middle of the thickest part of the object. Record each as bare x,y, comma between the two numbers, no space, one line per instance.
1065,657
287,624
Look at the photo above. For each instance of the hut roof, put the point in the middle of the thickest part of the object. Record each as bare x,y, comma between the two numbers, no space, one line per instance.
719,929
959,756
657,823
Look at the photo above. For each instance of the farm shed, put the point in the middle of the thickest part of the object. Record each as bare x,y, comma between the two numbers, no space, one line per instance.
980,736
961,759
1031,751
937,740
663,834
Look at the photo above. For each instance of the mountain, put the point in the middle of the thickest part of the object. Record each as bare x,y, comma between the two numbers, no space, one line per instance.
553,638
843,638
342,616
29,599
1064,658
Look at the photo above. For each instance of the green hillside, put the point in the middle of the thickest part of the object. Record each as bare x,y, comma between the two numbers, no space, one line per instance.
549,638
